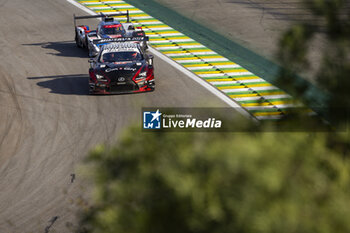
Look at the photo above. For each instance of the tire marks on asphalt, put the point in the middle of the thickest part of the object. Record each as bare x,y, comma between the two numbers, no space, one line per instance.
52,221
13,123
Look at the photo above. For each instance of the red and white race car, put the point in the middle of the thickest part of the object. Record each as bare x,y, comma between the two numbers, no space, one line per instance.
108,28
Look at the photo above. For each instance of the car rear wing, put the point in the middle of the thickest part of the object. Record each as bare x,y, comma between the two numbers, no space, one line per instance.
101,15
121,39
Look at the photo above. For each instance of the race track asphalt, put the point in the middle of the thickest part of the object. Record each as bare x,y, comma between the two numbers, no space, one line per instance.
48,122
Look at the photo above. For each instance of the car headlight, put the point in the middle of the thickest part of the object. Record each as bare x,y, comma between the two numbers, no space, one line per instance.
99,77
143,74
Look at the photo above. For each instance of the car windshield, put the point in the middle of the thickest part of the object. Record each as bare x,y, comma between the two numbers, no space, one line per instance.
120,56
112,29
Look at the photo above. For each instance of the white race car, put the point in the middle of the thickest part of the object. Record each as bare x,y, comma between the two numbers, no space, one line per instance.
108,28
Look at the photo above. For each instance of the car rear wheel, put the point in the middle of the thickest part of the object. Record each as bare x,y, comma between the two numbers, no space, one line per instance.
79,45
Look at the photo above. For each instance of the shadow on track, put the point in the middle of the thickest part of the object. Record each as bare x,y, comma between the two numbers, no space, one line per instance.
74,84
63,48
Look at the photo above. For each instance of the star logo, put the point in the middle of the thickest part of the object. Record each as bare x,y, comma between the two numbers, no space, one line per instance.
152,120
156,115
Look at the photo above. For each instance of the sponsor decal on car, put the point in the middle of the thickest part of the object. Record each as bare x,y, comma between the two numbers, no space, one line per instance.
122,39
111,69
130,68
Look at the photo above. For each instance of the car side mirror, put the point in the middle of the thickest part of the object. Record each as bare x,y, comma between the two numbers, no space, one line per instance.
150,60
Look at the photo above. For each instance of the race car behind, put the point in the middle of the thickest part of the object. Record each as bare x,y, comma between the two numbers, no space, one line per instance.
106,29
121,67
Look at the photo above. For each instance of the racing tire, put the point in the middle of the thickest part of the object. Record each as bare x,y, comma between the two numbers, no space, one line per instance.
85,44
77,42
90,53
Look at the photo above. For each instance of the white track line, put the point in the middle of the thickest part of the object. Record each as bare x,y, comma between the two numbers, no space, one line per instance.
167,41
267,97
157,29
235,82
188,73
249,89
180,47
202,60
190,54
81,7
146,23
166,34
277,96
212,67
225,74
248,98
278,106
94,3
